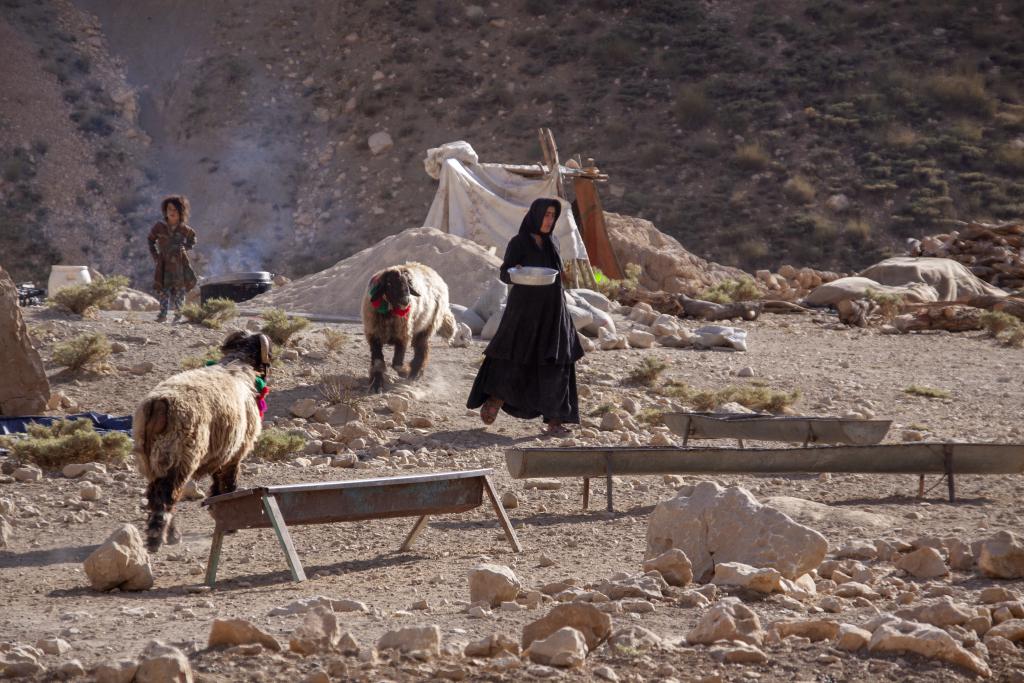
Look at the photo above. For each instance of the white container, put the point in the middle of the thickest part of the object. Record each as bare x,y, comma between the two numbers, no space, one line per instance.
532,276
66,276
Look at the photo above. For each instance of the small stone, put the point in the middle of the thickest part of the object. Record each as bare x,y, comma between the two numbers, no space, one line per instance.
673,565
27,474
161,662
425,639
304,408
509,500
120,562
228,632
54,646
852,638
90,492
379,142
493,584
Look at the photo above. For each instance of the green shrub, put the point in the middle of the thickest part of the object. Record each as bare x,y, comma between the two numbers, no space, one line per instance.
277,444
69,441
648,371
799,189
211,313
280,327
85,299
751,157
728,291
89,350
212,353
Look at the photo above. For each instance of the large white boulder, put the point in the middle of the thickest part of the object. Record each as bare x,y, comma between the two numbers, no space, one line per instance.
491,328
565,647
491,299
121,562
715,524
493,583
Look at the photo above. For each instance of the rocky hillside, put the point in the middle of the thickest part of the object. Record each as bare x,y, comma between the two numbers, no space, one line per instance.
758,133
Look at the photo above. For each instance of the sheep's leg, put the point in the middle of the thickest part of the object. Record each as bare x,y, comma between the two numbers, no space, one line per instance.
377,365
173,535
225,480
161,495
421,352
398,362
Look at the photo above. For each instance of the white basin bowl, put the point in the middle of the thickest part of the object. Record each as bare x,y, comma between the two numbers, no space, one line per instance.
533,276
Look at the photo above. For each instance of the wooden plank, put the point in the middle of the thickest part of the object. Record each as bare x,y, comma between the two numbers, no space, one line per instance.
910,458
822,430
284,538
499,510
413,533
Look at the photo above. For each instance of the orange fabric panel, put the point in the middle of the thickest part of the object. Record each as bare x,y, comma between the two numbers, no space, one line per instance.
595,236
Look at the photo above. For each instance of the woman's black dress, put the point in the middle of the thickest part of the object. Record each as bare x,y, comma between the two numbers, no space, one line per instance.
530,362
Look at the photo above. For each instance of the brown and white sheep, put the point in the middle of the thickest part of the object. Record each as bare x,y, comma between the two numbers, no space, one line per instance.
199,422
404,306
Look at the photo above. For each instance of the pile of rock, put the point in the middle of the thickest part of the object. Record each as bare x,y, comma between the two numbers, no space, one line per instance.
791,283
666,266
992,252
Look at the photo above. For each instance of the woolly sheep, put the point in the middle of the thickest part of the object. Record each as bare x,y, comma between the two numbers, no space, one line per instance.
195,423
404,306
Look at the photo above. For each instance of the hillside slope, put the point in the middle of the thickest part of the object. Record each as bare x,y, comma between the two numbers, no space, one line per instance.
758,133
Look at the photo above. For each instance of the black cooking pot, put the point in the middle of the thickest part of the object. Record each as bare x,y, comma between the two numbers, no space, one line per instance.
236,286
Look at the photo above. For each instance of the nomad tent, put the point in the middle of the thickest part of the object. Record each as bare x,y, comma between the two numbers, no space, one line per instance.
486,202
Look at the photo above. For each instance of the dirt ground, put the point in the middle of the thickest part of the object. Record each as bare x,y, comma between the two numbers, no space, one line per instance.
45,592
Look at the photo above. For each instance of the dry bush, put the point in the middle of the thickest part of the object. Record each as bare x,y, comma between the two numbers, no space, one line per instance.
926,392
729,291
799,189
1016,338
901,136
752,157
212,313
859,227
997,322
86,299
70,441
280,327
651,416
334,388
648,371
277,444
209,357
89,350
753,396
334,340
960,92
614,288
1010,159
692,108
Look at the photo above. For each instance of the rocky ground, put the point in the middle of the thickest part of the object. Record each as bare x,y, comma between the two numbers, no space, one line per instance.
585,559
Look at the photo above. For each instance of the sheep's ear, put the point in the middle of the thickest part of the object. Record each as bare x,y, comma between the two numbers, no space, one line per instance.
265,356
408,282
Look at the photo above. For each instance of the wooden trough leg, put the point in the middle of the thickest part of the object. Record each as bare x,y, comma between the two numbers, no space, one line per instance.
416,529
283,537
214,560
608,480
586,493
499,510
947,458
920,487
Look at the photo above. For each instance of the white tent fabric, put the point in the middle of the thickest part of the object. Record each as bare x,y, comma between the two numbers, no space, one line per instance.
486,203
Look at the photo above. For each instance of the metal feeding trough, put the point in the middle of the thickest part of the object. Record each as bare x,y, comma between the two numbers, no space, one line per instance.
236,286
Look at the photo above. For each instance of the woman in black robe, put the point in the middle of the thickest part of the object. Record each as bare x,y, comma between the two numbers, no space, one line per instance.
529,367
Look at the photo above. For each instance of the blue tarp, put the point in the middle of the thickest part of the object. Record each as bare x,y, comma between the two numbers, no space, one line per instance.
102,423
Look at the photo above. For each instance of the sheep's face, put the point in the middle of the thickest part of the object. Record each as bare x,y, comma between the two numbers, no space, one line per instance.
253,349
398,289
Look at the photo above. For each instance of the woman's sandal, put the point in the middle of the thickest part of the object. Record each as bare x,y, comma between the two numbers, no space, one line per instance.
557,429
489,410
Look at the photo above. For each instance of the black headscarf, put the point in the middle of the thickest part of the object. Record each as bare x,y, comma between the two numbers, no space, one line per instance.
532,221
534,218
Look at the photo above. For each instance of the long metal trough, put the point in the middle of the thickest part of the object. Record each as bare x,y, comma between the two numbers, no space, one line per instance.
793,429
910,458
